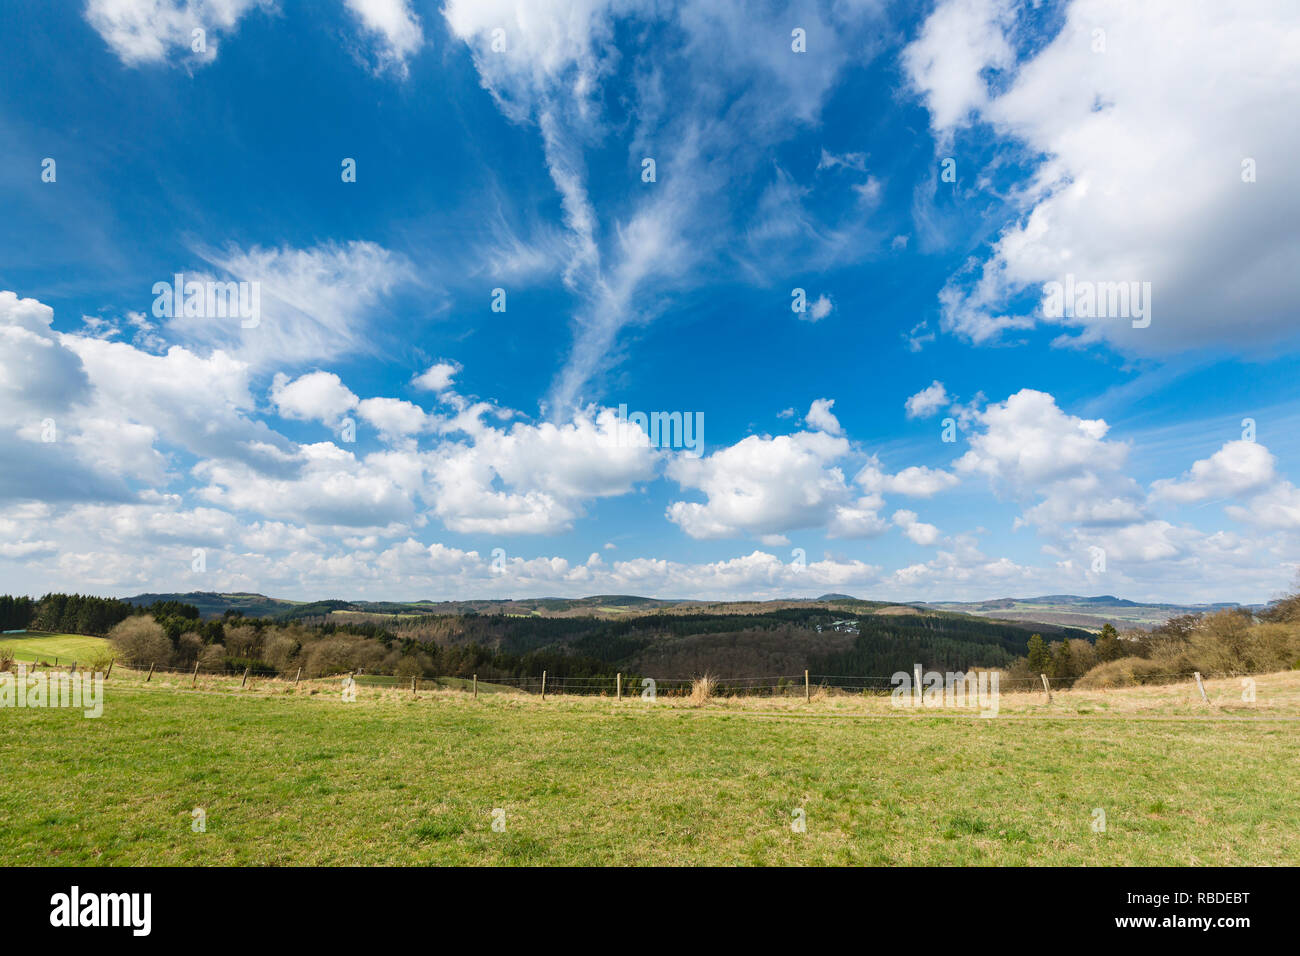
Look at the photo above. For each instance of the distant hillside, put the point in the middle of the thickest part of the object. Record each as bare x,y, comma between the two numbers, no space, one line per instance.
607,633
1051,612
211,604
1072,610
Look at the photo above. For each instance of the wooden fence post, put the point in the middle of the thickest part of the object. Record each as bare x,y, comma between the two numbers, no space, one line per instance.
412,685
1047,687
1201,687
807,694
476,687
150,677
195,682
297,677
543,685
110,668
245,680
619,684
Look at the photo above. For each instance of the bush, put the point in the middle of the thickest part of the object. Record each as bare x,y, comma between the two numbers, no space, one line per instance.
279,650
141,639
1125,672
1227,644
212,658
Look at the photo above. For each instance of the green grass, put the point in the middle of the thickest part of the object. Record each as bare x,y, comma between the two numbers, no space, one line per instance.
299,777
41,646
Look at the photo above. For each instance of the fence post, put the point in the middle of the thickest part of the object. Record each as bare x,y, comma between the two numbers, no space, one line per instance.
807,694
619,693
476,687
412,685
1047,687
543,685
74,667
1201,687
245,680
109,673
150,677
195,682
298,675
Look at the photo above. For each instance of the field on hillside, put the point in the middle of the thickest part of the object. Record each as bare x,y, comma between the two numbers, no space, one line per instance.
291,775
40,646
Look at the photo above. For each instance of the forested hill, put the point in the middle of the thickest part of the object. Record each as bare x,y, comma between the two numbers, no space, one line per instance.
840,636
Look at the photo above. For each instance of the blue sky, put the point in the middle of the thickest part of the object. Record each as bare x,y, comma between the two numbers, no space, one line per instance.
922,172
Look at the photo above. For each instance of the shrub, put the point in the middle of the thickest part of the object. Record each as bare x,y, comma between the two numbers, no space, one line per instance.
141,639
212,658
1125,672
702,688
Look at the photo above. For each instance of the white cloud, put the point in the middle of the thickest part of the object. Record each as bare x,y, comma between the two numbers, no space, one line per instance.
437,377
957,43
1141,178
1028,440
316,304
765,486
314,397
818,309
927,401
393,416
395,26
551,61
920,532
146,31
1239,467
535,479
1277,508
821,419
915,481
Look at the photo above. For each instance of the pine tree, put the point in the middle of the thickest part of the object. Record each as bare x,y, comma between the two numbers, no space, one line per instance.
1108,645
1039,658
1062,661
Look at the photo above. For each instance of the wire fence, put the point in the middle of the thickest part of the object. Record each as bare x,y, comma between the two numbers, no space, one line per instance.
640,685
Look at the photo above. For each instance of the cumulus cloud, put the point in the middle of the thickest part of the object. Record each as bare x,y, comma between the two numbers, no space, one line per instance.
314,397
915,481
1239,467
1176,212
765,485
438,377
1027,440
920,532
819,417
927,401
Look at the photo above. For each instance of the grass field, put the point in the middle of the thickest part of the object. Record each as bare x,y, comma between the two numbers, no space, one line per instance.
41,646
297,776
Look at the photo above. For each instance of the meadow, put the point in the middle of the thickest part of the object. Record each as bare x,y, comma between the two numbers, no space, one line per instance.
64,648
290,775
